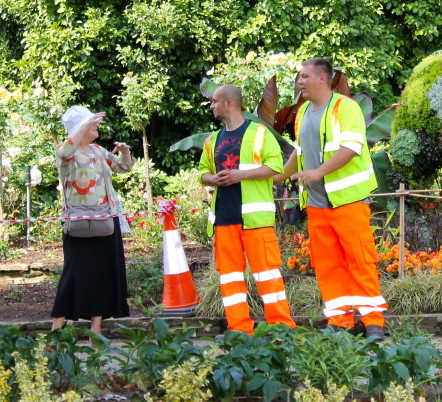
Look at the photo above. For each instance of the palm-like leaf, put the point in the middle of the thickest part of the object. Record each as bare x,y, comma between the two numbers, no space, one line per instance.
208,88
366,104
195,141
380,127
267,106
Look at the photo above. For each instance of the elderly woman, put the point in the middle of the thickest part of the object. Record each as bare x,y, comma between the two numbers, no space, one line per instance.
93,283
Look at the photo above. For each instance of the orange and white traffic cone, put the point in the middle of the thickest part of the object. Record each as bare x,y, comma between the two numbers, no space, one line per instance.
180,297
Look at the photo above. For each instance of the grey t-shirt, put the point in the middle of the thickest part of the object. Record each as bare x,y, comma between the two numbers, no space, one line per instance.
309,138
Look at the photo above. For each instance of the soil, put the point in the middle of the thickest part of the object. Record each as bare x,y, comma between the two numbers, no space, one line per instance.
33,302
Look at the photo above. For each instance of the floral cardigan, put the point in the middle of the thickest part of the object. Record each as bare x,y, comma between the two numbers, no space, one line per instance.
82,174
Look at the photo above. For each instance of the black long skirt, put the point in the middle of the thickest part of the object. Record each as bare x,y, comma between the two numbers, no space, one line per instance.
93,282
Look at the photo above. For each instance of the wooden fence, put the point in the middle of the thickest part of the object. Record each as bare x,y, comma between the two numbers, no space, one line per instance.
401,193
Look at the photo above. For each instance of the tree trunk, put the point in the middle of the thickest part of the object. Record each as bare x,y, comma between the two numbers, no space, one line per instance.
146,162
1,196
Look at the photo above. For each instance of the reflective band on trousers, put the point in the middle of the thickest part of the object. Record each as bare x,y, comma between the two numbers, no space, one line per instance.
354,301
273,297
332,313
232,277
235,299
368,310
267,275
348,181
258,207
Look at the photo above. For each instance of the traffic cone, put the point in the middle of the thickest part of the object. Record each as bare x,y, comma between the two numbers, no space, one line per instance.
180,297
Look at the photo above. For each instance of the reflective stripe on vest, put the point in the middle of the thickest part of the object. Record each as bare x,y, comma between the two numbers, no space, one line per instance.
249,166
336,185
258,207
259,141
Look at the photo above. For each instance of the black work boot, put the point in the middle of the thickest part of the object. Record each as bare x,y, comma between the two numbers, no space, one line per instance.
375,331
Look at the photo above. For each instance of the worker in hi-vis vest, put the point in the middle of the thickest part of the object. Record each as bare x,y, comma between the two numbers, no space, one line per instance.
332,163
239,162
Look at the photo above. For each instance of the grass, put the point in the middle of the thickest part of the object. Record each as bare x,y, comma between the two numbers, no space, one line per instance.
412,294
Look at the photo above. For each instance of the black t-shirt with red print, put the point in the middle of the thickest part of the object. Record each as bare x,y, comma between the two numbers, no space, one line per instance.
227,152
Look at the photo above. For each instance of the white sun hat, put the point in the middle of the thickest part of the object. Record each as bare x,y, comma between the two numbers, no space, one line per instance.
74,117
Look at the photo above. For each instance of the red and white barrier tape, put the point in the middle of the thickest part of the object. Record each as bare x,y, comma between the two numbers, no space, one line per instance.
65,218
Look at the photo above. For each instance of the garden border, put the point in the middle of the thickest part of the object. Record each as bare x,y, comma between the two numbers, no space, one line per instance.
212,326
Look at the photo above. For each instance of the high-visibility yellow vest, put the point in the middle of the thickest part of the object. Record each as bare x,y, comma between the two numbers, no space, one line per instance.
342,124
258,147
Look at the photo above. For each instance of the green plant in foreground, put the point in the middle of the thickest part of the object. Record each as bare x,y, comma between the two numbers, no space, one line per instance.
189,381
312,394
73,365
149,351
5,388
324,356
253,365
400,393
33,379
416,358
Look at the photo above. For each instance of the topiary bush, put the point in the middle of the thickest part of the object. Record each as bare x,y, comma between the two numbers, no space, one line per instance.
416,145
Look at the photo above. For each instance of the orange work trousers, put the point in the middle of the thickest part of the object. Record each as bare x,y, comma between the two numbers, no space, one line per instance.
232,245
343,255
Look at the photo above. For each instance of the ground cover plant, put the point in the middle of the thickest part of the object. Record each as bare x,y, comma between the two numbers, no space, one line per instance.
163,363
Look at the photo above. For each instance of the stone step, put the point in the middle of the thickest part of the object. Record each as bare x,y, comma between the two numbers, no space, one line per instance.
212,326
21,273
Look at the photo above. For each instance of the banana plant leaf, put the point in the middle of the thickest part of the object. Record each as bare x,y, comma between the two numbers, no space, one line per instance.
339,82
380,127
366,104
381,165
195,141
267,106
285,146
208,88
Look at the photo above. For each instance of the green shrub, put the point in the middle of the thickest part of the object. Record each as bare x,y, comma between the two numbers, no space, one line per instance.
145,278
327,357
417,122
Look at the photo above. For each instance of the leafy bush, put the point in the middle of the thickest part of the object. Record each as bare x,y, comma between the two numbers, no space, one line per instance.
414,358
416,121
253,365
328,357
145,279
149,351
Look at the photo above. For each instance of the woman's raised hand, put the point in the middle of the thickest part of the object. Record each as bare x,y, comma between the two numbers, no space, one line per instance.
121,147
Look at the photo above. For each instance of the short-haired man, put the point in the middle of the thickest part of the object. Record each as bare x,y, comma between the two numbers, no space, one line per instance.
240,162
332,162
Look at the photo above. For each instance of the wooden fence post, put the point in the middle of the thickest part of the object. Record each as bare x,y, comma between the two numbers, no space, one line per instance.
402,229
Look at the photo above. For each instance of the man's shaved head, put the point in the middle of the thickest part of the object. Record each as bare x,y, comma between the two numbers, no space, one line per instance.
231,92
